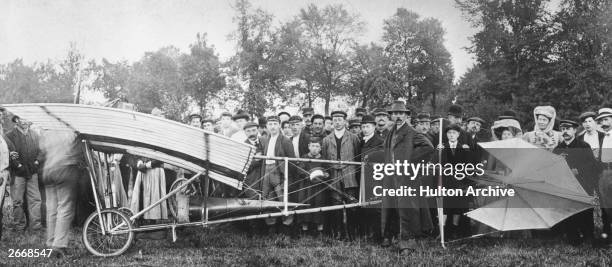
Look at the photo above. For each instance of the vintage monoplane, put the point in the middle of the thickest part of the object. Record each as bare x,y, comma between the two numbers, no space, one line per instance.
105,131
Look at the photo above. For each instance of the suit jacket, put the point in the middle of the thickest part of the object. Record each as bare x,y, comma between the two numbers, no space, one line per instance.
375,143
406,144
600,136
401,143
383,134
302,143
283,148
579,155
349,151
477,154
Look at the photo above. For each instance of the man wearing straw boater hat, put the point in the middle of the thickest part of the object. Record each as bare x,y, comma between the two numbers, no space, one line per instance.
411,214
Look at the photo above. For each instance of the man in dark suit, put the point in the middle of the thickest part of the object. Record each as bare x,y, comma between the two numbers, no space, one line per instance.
586,168
371,141
300,136
595,139
370,144
252,181
382,119
456,152
411,214
341,145
276,145
455,116
477,134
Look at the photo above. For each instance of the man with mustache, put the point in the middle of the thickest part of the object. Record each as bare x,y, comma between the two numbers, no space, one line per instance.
254,172
604,118
411,214
382,120
585,167
477,134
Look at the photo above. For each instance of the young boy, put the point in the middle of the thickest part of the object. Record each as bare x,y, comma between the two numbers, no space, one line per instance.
313,180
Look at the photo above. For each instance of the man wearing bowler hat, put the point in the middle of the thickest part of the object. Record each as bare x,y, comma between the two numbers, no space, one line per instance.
585,167
411,214
422,123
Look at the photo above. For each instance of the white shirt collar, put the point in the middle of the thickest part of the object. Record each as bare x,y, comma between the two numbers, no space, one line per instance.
366,138
340,133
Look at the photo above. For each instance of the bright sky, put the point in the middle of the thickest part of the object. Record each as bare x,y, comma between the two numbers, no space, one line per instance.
125,29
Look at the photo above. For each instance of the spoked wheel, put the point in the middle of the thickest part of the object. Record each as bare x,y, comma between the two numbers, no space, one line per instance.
172,203
117,237
128,212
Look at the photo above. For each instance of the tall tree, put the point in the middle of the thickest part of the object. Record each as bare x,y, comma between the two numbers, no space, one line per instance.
419,64
261,60
156,82
200,72
327,34
110,78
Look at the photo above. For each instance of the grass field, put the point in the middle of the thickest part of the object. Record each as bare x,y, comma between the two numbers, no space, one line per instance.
224,246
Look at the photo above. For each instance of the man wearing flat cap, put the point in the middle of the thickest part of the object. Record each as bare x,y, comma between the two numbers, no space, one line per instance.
341,145
240,119
276,145
382,120
300,137
355,126
604,118
307,113
585,167
360,112
411,214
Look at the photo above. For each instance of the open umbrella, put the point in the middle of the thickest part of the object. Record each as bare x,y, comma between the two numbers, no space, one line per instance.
547,191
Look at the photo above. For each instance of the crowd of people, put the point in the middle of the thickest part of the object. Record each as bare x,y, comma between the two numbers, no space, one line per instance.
386,135
397,133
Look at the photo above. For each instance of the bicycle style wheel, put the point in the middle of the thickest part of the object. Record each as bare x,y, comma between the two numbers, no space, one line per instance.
115,240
